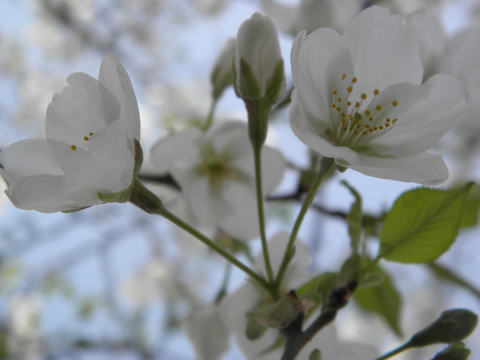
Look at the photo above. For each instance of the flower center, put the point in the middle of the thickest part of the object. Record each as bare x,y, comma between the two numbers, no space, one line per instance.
356,120
216,167
85,138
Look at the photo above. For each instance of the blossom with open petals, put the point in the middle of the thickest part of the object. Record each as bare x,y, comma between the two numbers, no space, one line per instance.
89,150
359,99
215,171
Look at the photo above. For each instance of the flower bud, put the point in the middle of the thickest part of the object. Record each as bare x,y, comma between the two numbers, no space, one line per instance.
315,355
259,73
222,74
452,326
456,351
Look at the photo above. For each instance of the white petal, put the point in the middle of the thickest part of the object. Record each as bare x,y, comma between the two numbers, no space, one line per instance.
319,61
231,138
33,157
426,168
383,49
115,78
175,149
106,168
211,344
425,113
302,128
44,193
85,106
242,223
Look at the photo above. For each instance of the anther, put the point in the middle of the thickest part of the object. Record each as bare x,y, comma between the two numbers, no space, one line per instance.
376,92
85,138
73,147
354,79
363,96
378,108
394,102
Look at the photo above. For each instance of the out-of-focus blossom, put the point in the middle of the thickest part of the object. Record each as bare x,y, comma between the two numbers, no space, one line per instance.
234,308
150,283
310,15
25,333
207,332
215,171
358,99
258,60
89,149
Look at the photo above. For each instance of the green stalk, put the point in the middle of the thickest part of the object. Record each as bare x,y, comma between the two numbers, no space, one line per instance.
394,352
143,198
325,168
211,112
257,152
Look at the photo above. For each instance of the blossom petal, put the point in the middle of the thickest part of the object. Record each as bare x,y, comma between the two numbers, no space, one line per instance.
33,157
85,106
302,128
211,344
383,49
425,113
106,168
242,223
319,62
176,149
44,193
115,78
426,168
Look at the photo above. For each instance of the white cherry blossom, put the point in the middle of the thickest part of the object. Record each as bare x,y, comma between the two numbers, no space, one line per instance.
215,171
359,99
91,128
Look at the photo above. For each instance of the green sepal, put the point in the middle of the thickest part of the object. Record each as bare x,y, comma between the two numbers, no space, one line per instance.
276,85
278,315
138,159
120,197
254,330
456,351
75,210
246,84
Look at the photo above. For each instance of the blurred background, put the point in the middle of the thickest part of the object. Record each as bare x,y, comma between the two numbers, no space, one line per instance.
111,282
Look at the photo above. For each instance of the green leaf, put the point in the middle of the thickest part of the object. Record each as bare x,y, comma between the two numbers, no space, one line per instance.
383,300
444,273
422,224
472,208
354,217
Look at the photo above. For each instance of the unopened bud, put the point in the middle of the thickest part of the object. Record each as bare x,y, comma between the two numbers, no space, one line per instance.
456,351
259,73
452,326
222,72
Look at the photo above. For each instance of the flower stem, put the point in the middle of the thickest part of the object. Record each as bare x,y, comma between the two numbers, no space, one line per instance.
394,352
211,112
257,152
147,201
325,168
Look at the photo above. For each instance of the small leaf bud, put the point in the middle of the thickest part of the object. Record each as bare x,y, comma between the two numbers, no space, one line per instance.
452,326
